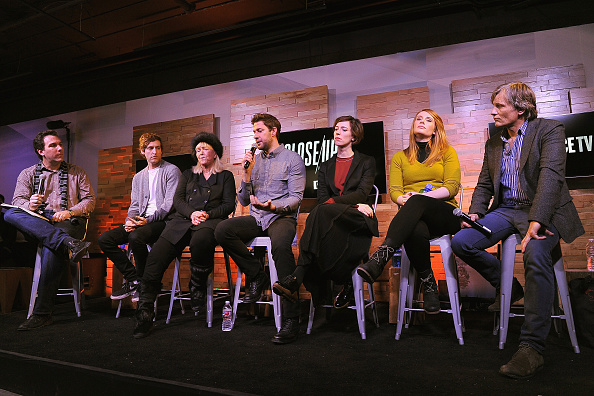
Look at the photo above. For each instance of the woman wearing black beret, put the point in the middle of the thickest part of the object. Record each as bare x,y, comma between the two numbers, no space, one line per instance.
204,197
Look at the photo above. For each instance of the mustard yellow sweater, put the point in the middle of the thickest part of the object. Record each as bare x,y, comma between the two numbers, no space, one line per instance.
406,177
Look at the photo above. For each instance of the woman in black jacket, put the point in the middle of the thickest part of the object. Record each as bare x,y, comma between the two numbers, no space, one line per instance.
204,197
339,229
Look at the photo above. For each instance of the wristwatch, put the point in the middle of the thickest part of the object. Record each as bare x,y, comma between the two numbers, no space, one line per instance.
71,213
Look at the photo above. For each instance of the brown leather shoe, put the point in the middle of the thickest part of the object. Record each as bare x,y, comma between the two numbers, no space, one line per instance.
35,322
288,287
524,364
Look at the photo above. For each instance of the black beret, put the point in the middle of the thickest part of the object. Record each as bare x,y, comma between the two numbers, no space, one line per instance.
209,138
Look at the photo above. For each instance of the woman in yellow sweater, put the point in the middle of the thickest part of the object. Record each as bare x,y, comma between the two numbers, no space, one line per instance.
424,179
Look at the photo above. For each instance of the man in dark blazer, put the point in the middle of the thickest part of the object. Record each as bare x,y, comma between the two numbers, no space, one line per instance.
524,173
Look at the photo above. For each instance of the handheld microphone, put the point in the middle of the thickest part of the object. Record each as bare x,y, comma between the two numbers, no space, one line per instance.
41,187
474,224
246,164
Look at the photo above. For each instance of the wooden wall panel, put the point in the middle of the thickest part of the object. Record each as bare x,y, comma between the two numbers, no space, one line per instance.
301,109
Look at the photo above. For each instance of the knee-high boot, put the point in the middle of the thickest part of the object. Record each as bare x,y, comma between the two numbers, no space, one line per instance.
198,282
145,314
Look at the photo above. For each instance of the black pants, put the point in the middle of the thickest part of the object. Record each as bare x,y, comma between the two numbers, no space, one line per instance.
202,247
232,234
137,240
421,219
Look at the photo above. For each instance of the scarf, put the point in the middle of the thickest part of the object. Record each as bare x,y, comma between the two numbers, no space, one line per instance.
63,179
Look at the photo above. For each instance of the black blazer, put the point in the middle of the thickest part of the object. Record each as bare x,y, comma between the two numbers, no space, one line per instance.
357,185
215,196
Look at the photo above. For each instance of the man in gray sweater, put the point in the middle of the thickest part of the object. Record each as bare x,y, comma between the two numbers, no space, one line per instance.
151,203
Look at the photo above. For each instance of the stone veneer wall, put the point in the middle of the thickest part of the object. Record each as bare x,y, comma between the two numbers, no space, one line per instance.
559,90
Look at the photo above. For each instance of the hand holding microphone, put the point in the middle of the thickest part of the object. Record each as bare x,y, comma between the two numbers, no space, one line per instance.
474,224
36,200
247,162
41,187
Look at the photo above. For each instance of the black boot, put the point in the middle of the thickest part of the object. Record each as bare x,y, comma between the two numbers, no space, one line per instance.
430,294
74,249
255,287
145,314
289,331
373,268
198,282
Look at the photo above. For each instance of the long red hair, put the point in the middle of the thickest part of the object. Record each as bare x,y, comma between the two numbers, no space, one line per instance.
437,145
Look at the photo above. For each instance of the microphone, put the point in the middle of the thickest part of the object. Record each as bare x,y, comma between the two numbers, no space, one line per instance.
474,224
41,187
246,164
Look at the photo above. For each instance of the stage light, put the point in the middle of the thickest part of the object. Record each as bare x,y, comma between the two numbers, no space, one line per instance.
58,124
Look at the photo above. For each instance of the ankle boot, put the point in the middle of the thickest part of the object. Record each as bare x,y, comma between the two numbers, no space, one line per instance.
373,268
198,282
430,294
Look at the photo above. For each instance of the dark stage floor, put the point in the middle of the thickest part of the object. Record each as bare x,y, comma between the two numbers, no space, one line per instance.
96,355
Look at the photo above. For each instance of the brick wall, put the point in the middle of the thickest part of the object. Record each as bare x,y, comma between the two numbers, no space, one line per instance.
113,197
301,109
551,86
581,100
113,192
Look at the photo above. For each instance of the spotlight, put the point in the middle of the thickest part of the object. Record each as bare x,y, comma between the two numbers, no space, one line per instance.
59,124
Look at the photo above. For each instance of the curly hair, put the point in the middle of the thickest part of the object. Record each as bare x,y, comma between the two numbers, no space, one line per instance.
145,139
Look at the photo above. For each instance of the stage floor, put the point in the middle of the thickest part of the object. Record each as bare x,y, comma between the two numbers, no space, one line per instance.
96,354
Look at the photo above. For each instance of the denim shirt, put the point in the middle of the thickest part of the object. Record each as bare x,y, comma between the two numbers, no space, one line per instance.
278,176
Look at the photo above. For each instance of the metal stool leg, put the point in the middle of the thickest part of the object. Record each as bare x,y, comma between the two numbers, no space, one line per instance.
236,296
451,271
565,301
209,299
508,254
35,284
359,303
403,296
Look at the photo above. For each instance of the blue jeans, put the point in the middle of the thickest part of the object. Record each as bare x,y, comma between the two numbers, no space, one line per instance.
470,244
53,256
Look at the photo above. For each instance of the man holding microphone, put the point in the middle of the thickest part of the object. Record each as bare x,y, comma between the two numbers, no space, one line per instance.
62,193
